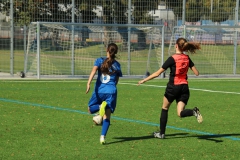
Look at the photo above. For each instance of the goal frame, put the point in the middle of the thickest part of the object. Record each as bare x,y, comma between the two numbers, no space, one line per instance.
129,26
181,31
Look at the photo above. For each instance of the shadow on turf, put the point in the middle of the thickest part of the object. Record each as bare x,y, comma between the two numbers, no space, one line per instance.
177,135
124,139
205,137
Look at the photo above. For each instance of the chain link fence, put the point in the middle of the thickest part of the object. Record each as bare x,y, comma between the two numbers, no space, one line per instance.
17,15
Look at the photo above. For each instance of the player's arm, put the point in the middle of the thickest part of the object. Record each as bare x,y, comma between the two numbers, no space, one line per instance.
152,76
117,79
193,68
169,62
195,71
119,74
94,70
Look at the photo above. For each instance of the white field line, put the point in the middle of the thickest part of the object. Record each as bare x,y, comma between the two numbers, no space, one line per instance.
134,84
203,90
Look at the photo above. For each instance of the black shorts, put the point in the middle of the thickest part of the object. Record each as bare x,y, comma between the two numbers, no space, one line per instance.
177,92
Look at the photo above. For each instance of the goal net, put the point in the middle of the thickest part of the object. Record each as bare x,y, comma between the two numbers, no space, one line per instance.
216,57
70,49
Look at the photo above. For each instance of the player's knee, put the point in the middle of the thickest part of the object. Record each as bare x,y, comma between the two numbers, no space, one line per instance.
179,114
89,110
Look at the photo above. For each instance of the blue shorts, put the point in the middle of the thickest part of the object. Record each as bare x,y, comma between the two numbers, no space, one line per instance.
98,98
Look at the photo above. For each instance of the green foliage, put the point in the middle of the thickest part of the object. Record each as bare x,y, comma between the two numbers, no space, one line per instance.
219,10
26,11
120,10
219,15
140,11
195,10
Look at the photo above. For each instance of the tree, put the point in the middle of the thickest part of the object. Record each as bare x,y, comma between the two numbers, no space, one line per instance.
194,11
222,10
217,11
114,11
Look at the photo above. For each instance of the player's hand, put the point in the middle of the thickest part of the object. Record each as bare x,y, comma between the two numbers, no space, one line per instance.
141,82
88,88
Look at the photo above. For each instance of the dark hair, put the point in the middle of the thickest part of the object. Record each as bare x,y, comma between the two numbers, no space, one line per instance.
106,66
184,45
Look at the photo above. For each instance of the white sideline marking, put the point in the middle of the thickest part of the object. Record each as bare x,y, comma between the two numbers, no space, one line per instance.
204,90
84,81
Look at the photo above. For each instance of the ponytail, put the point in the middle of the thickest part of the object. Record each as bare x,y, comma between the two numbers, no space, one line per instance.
106,67
186,46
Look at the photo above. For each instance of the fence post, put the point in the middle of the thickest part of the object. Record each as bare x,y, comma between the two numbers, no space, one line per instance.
12,39
73,37
235,37
183,12
129,36
163,35
38,50
183,18
24,47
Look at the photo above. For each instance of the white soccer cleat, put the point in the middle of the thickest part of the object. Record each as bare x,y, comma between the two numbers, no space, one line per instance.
97,119
197,114
158,135
102,140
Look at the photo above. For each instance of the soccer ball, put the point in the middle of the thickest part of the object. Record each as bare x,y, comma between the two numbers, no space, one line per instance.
97,119
22,74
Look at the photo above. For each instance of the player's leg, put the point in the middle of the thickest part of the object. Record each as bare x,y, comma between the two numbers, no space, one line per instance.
163,119
168,98
111,100
94,103
94,106
182,112
182,101
103,108
105,125
188,112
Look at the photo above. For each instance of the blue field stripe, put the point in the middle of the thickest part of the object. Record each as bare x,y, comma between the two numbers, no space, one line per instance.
118,118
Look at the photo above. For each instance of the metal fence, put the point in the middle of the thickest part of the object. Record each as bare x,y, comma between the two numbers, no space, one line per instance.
17,15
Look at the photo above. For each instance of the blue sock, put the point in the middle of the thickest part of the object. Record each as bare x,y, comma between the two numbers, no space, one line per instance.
105,126
94,109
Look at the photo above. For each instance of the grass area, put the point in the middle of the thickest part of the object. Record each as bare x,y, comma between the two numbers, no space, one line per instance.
45,119
5,61
212,59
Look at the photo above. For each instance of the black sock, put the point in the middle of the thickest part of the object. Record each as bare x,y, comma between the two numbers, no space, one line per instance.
163,121
186,113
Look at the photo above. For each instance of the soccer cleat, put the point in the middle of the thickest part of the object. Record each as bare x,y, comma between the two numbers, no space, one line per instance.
102,140
97,119
158,135
197,114
102,108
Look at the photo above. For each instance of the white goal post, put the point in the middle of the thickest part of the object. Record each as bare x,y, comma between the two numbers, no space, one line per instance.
69,49
219,45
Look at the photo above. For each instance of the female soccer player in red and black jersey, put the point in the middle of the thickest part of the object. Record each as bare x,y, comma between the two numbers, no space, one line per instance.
177,87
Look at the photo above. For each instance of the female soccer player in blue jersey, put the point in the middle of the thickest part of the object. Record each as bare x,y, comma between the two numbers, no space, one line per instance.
104,96
177,87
